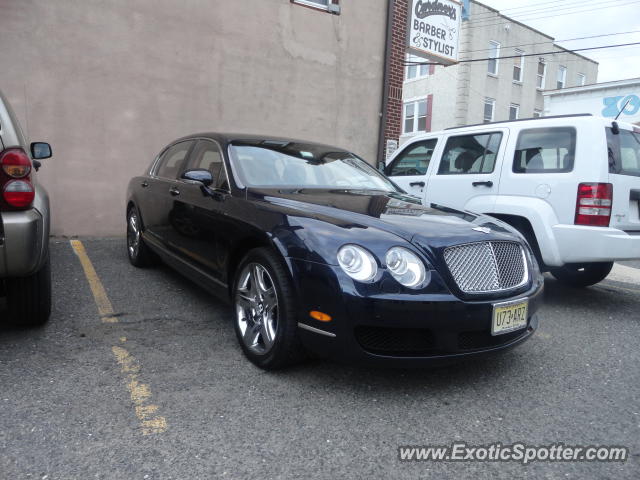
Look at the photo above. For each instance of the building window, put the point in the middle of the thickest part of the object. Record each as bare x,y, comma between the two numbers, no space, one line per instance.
537,114
582,79
489,108
415,116
514,111
416,71
562,77
518,66
494,53
332,6
542,73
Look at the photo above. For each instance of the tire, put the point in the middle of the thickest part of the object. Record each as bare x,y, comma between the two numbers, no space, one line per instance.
582,275
138,252
29,298
265,311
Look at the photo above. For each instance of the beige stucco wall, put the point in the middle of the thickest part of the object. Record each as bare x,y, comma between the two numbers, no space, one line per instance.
108,84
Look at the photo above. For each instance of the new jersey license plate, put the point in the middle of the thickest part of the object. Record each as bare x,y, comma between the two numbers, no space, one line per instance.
508,317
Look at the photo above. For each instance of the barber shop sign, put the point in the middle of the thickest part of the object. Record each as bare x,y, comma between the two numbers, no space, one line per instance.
434,28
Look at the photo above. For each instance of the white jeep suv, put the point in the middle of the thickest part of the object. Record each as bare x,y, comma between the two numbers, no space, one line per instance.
569,184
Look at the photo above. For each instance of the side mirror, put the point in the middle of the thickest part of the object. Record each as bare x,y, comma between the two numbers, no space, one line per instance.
199,175
40,150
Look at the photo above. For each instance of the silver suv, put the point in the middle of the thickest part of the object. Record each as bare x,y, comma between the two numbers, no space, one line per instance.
25,271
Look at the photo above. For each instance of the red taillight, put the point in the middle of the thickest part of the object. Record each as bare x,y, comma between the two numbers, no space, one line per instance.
18,193
593,206
15,181
15,163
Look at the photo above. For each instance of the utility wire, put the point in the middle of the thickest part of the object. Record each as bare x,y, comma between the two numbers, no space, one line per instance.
509,20
528,54
536,11
553,41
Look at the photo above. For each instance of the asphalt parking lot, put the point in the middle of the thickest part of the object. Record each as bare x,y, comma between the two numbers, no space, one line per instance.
160,389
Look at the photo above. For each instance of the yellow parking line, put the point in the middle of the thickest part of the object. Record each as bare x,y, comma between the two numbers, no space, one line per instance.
140,392
99,294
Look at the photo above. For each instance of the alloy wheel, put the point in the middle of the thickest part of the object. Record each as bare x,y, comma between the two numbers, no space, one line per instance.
133,234
256,304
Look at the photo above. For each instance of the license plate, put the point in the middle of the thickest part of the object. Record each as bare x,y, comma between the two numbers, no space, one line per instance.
508,317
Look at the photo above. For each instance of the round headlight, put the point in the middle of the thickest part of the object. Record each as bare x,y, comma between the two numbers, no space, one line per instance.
406,267
358,263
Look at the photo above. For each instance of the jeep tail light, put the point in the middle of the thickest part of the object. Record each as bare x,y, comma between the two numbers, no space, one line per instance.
15,163
593,206
15,181
19,193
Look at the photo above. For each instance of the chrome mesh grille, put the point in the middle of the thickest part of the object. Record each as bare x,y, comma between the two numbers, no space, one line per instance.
485,267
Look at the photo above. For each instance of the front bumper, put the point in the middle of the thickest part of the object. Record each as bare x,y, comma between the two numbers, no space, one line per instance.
22,237
397,329
595,244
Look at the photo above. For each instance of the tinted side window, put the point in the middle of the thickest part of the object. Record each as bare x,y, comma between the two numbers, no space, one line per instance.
469,154
173,160
545,150
624,152
207,155
413,161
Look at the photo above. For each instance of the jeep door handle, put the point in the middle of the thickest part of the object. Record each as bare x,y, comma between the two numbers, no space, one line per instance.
416,184
174,191
488,183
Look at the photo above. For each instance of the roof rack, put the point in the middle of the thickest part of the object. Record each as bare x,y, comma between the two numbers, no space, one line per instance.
523,120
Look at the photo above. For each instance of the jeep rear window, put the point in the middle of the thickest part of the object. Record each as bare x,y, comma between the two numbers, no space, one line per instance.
624,152
545,150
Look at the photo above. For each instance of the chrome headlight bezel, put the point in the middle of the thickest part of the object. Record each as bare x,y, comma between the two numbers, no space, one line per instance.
357,262
407,268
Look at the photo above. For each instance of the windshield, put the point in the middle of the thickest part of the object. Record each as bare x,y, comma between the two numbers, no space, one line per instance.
288,164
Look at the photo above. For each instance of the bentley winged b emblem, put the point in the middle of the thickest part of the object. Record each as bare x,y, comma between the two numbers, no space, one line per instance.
482,229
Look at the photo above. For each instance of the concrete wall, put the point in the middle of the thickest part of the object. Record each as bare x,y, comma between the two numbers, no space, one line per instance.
108,84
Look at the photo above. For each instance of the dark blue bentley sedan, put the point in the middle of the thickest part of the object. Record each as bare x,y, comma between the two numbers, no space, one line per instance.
319,252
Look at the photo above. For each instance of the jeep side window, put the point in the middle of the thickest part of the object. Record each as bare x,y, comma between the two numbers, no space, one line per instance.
413,161
545,150
469,154
624,152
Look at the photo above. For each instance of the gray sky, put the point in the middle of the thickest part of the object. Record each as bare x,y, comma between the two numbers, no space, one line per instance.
565,19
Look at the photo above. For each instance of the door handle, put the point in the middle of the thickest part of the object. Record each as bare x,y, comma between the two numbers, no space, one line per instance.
416,184
174,191
144,184
488,183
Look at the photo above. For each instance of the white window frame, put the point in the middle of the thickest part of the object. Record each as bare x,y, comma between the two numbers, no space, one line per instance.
415,102
582,79
318,4
517,109
521,66
413,58
492,102
493,43
543,77
562,73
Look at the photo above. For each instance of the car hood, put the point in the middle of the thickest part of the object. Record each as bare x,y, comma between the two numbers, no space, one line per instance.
396,213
